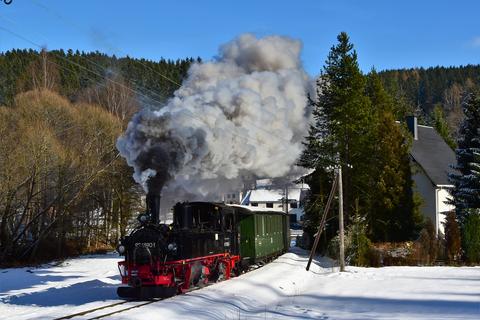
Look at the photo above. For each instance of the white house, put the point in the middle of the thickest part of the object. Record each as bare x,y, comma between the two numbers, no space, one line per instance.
431,159
264,195
232,198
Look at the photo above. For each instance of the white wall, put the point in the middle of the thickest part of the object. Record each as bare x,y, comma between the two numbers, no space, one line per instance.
442,208
427,191
433,197
276,205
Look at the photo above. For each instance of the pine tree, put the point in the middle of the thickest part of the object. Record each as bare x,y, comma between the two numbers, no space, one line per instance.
341,111
393,213
466,191
355,127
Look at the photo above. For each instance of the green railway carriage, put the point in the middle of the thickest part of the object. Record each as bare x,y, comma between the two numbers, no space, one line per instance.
263,233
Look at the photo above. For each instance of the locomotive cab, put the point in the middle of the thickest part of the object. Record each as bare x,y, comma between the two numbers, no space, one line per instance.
202,229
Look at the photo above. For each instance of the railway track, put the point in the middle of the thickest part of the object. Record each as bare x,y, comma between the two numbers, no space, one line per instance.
110,308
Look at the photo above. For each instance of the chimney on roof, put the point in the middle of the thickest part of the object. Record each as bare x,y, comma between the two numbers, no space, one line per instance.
412,126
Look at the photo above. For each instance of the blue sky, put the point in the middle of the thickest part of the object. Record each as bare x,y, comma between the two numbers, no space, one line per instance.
386,34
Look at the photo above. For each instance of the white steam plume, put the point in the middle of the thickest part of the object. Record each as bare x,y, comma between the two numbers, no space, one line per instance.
242,114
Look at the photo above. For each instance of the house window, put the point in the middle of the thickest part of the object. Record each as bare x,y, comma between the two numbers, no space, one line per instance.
293,205
269,204
254,204
228,195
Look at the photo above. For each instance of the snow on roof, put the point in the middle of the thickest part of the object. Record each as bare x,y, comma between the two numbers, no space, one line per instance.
251,208
274,195
264,195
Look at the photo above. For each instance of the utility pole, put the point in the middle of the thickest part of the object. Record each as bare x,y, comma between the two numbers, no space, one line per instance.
44,65
336,181
321,226
340,220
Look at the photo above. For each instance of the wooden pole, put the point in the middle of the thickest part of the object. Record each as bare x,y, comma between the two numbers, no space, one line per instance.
44,64
340,220
322,222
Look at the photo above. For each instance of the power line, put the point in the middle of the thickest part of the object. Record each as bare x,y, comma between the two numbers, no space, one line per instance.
191,115
83,58
76,26
70,22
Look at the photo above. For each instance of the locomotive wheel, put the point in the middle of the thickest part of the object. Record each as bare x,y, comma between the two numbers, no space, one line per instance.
199,277
237,271
222,271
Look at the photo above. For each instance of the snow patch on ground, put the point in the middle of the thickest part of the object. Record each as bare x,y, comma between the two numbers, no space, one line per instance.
52,291
282,289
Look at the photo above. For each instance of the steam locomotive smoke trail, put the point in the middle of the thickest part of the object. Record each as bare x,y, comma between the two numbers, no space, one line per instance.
242,113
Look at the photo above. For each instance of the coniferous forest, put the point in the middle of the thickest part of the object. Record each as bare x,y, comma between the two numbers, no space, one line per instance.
423,89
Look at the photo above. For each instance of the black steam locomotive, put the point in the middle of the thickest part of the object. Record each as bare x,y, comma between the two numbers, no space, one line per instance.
207,242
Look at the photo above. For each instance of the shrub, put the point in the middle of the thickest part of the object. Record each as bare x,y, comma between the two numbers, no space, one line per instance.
471,237
358,247
426,248
452,238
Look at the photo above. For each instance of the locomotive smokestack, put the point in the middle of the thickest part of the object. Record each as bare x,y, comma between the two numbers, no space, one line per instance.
153,207
153,200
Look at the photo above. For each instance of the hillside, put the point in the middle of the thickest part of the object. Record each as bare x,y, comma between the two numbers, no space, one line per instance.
70,73
423,89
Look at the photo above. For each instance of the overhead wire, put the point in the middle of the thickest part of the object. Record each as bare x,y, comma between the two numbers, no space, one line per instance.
71,23
189,114
79,28
137,92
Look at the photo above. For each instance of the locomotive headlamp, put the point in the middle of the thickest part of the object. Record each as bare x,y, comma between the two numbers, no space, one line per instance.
121,249
172,246
142,218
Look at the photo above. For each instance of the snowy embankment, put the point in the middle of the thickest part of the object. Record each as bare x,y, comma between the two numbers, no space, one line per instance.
282,289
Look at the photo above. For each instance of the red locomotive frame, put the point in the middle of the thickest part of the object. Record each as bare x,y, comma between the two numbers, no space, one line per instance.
177,274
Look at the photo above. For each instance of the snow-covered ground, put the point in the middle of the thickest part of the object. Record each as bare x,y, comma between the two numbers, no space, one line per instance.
282,289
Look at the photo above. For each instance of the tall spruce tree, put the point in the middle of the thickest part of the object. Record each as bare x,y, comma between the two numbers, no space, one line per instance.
466,191
354,127
393,213
342,129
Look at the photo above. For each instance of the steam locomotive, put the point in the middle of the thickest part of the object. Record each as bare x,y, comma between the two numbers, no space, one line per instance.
207,242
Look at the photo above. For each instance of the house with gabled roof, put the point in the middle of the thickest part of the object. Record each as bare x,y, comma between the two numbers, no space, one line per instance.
431,159
266,195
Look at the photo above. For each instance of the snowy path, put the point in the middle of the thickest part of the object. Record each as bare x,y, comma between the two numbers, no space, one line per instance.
280,290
